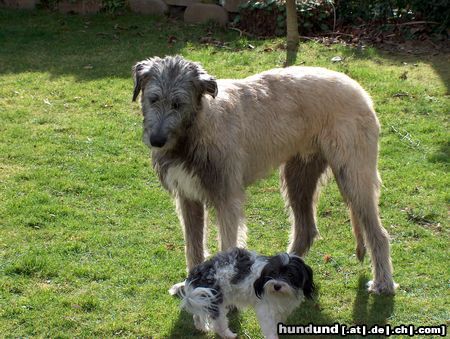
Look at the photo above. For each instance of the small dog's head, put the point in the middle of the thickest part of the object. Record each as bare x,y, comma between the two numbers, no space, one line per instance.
172,89
285,275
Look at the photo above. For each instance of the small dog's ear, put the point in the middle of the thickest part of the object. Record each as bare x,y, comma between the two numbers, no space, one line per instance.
308,285
208,84
139,72
258,285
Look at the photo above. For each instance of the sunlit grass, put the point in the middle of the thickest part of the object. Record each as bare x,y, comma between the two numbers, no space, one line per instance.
89,241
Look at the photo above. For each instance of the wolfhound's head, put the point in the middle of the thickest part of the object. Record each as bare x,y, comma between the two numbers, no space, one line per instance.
172,89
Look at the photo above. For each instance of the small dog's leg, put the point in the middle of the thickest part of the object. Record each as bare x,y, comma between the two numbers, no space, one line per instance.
299,184
177,289
199,324
220,325
266,320
232,228
192,217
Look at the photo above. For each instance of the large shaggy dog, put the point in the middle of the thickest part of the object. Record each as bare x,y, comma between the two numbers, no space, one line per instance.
210,139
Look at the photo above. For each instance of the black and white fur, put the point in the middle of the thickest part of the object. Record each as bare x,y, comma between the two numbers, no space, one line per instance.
273,286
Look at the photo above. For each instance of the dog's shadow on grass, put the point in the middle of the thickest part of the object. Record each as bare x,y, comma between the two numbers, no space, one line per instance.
368,309
184,327
371,309
309,312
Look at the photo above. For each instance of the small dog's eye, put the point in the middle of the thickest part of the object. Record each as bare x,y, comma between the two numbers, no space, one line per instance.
153,101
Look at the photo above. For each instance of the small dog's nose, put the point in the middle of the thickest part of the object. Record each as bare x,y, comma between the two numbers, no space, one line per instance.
277,287
157,140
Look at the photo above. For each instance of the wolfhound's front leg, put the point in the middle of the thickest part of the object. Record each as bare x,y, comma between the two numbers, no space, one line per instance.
193,219
232,228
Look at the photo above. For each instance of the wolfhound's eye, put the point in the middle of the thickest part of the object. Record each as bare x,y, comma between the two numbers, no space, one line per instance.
153,100
176,105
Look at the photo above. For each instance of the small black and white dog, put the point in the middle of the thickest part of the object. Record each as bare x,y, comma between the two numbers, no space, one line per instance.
273,286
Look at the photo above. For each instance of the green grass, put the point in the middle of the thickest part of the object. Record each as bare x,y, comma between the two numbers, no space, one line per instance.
89,241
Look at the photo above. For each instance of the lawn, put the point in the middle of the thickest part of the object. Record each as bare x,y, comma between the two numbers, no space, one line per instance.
90,242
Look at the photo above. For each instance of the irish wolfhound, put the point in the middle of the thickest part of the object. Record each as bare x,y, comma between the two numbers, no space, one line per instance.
210,139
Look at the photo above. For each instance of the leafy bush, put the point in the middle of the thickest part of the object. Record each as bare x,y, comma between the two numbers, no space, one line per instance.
113,6
268,17
352,11
110,6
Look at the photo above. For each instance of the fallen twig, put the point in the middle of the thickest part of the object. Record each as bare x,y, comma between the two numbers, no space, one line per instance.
337,33
241,32
307,38
406,136
237,30
417,23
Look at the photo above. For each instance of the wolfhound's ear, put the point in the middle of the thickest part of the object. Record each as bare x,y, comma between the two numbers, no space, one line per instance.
208,84
139,72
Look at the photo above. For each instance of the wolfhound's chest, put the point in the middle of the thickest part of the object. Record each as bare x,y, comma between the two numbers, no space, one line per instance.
178,180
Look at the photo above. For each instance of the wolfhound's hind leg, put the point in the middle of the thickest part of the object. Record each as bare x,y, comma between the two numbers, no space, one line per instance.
357,232
299,184
359,183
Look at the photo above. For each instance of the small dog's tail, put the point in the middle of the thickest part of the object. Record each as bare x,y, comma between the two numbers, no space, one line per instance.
201,301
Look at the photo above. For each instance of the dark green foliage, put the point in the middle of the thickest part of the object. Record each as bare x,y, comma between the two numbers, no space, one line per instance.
110,6
351,11
268,18
113,5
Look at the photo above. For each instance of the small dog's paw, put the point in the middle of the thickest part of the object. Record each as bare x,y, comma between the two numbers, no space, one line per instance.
382,288
199,324
227,334
177,289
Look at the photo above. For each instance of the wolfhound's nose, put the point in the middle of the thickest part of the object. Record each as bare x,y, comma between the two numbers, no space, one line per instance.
157,140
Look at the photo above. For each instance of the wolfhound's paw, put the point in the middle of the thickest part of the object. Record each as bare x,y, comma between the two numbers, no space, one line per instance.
385,287
177,289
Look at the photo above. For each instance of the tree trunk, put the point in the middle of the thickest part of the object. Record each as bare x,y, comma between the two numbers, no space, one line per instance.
292,32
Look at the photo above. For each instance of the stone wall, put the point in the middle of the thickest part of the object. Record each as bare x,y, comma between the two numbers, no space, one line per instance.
195,11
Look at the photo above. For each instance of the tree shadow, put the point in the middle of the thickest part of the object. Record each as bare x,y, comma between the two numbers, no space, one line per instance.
90,47
105,46
442,155
291,54
433,57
